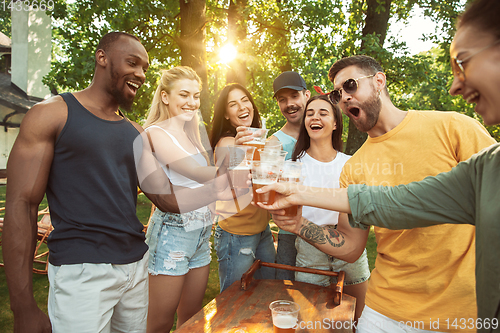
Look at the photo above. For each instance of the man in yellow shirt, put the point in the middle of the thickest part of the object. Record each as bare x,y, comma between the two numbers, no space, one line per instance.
424,277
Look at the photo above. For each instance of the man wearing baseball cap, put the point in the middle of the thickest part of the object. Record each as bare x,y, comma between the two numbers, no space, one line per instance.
290,91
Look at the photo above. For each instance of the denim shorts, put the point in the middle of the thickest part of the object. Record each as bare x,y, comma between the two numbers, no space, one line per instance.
310,257
178,242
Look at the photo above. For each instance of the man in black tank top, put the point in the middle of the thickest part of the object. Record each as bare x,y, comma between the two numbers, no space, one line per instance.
78,150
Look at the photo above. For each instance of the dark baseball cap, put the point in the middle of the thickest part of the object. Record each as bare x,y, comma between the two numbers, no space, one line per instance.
290,80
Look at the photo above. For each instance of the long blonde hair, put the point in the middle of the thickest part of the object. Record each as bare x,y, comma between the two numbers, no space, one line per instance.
159,111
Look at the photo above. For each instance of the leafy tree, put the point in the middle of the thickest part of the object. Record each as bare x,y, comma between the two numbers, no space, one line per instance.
271,36
192,45
79,27
5,22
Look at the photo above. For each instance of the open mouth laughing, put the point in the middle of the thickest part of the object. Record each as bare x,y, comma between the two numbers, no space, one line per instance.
244,115
472,98
292,110
133,86
353,112
316,127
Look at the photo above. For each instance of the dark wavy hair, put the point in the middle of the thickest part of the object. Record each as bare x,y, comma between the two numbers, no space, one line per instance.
221,127
304,140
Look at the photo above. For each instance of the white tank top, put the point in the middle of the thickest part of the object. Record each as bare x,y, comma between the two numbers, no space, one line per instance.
325,175
175,177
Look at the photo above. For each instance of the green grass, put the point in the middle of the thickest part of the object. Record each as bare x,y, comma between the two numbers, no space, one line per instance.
40,282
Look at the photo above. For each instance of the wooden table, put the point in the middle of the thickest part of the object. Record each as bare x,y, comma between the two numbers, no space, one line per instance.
247,311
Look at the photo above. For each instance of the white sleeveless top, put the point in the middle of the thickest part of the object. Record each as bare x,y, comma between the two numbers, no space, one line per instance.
175,177
325,175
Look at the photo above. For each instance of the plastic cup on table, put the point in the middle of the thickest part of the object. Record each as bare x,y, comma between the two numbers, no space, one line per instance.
285,315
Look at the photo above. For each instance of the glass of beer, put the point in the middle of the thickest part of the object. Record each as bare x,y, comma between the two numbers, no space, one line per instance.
258,140
291,173
273,144
272,155
285,316
264,173
240,163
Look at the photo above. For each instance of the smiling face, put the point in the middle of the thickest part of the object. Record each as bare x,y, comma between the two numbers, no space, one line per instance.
363,106
319,120
183,100
128,63
482,71
239,109
291,103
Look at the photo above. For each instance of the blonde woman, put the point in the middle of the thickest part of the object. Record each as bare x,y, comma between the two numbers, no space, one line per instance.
179,252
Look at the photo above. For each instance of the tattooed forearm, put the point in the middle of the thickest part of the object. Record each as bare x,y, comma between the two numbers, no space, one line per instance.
333,234
315,234
312,233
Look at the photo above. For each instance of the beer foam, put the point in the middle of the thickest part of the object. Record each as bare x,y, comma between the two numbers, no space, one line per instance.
284,321
263,181
255,142
241,167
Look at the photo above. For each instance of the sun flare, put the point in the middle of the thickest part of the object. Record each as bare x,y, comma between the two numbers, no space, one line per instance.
227,53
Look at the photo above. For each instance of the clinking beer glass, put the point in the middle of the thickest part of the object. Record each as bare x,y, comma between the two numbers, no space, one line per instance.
258,141
264,173
240,162
292,173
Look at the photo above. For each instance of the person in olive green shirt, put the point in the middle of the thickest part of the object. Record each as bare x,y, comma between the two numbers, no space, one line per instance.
468,194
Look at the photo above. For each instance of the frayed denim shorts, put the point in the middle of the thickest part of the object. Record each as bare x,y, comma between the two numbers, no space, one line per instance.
178,242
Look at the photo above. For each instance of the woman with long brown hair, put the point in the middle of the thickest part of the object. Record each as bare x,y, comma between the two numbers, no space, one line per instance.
242,235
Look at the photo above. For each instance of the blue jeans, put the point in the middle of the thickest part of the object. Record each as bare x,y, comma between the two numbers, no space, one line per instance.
286,255
236,253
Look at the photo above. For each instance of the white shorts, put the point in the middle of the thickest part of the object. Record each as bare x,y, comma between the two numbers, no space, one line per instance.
372,321
99,297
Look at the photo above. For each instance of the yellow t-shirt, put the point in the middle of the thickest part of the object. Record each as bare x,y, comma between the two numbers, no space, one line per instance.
246,219
426,274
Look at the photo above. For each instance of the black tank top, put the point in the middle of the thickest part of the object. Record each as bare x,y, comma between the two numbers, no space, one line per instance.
92,191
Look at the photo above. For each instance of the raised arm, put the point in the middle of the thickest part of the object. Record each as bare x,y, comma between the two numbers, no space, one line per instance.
292,194
168,153
341,241
27,173
170,198
449,197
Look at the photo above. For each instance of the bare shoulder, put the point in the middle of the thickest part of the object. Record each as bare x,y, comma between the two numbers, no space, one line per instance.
46,118
159,135
137,126
273,139
225,141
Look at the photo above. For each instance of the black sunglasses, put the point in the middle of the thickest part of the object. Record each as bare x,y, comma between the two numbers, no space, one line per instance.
350,86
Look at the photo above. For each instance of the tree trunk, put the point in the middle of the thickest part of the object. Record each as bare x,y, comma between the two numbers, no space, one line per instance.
236,35
377,20
192,45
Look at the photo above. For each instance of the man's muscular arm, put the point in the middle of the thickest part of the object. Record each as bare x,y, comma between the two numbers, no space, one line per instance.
27,173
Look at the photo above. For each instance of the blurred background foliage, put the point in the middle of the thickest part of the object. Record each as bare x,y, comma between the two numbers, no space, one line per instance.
306,36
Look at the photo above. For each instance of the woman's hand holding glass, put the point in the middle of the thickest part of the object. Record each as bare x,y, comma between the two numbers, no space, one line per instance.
242,135
287,195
